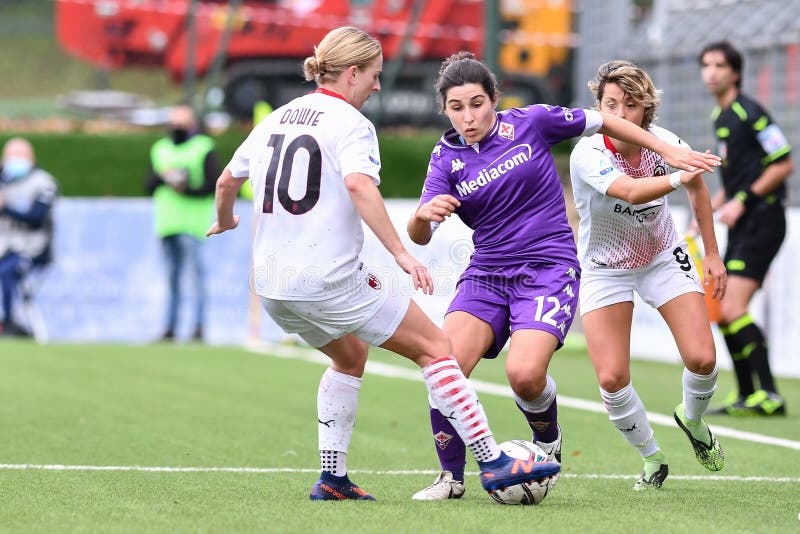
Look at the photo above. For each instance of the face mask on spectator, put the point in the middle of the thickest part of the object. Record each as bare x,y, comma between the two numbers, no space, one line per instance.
15,168
179,135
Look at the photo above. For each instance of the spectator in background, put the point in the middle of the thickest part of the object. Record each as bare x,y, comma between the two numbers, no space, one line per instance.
183,171
27,194
756,161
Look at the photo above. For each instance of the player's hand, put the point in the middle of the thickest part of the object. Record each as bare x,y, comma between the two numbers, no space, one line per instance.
438,208
687,177
714,270
688,160
218,228
730,212
420,276
179,187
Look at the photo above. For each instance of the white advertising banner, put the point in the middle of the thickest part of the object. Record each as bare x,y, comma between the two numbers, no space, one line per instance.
108,282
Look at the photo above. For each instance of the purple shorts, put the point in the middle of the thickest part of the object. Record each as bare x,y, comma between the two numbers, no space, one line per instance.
535,296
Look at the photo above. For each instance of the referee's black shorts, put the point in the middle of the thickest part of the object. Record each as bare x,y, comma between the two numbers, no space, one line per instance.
754,241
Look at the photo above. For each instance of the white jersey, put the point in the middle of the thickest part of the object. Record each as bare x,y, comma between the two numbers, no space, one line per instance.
614,234
309,234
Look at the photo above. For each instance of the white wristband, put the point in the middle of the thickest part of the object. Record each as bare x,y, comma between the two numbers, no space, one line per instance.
675,179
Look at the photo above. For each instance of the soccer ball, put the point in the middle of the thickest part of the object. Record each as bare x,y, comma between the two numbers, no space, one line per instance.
531,492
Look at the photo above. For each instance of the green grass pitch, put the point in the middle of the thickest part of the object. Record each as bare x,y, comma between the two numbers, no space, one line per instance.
101,438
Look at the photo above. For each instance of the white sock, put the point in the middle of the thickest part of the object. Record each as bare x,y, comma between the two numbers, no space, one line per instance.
626,412
334,462
337,401
540,403
697,392
455,397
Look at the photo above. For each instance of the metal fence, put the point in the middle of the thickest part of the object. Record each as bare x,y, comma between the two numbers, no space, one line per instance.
665,37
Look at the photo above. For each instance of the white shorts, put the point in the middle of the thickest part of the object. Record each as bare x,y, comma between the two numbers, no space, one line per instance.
367,310
671,274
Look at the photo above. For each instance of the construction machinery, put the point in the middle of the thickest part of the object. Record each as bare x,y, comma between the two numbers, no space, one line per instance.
256,47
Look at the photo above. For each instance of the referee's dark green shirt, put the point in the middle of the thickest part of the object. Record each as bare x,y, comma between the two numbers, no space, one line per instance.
747,141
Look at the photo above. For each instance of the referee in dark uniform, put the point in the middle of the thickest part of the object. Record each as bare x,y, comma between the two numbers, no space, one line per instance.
756,161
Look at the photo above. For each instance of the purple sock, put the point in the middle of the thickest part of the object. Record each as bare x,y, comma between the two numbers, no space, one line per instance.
450,448
544,424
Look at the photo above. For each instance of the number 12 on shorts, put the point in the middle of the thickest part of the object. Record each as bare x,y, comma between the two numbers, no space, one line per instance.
546,311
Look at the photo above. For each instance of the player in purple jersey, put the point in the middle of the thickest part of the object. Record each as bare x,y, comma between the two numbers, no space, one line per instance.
347,309
494,169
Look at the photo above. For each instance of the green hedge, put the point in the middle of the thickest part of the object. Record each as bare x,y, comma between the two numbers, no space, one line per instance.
116,164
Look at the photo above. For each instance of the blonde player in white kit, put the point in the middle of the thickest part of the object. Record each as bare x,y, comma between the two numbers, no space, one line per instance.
314,165
627,242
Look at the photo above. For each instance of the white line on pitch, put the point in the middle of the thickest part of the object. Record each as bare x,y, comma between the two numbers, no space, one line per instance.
400,472
296,352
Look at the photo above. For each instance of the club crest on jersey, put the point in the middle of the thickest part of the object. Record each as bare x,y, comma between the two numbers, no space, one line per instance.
442,439
373,281
506,130
659,170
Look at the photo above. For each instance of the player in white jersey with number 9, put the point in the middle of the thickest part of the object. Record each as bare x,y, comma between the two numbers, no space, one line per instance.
314,165
627,242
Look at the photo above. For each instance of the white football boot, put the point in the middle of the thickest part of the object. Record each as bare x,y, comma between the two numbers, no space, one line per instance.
444,487
553,450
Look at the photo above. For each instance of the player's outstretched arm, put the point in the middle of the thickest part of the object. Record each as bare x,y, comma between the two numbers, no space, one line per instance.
676,156
640,191
226,192
369,204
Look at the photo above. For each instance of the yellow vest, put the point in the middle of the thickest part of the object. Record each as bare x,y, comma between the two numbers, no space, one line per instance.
174,212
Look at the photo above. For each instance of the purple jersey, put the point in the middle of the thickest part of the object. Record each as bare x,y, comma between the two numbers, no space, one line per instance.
510,193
